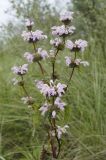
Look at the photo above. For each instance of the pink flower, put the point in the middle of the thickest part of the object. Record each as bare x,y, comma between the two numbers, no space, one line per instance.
82,44
21,70
71,29
43,53
39,84
51,89
62,30
56,42
79,45
68,60
53,114
75,62
59,103
61,130
44,109
38,35
61,89
33,36
45,89
29,57
69,44
29,23
64,16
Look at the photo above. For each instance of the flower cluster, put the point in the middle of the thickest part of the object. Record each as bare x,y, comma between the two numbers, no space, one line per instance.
20,70
29,23
51,89
75,63
33,36
66,17
62,30
79,45
56,42
41,54
59,104
38,55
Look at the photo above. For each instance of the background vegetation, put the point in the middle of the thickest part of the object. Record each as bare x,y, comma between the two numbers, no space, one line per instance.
21,130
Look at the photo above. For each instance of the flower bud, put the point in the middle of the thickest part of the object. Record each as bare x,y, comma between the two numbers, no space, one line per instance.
29,24
27,100
73,64
54,114
66,17
21,83
57,43
54,76
37,58
30,101
20,70
61,47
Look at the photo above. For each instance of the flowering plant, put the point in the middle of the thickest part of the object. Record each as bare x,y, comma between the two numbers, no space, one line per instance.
52,90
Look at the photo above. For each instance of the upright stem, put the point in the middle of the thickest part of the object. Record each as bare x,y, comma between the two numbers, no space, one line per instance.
53,73
71,75
41,68
24,89
55,153
72,72
53,65
58,140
